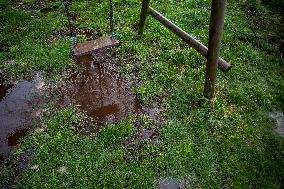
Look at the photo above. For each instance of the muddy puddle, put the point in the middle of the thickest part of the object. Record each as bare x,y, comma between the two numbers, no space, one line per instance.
18,102
100,91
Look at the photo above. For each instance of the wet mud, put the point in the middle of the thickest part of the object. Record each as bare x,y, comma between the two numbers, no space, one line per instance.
4,88
87,33
4,48
48,9
18,165
17,103
100,91
44,7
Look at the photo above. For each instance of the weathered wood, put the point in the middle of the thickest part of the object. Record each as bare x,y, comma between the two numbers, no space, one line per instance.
143,16
215,35
95,45
111,18
223,65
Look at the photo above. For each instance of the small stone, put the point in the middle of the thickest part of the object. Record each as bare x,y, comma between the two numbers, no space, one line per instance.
34,167
39,85
62,169
37,113
11,61
39,130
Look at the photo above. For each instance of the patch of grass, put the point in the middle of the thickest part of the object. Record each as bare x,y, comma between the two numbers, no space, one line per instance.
89,164
225,142
116,134
6,173
26,36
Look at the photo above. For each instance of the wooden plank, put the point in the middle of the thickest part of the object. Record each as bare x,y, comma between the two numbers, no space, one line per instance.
215,35
95,45
202,49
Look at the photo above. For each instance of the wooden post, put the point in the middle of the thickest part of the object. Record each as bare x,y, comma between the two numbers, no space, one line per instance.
197,45
215,35
143,16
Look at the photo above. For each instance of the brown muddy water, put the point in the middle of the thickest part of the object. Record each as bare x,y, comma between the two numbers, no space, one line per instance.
18,102
100,91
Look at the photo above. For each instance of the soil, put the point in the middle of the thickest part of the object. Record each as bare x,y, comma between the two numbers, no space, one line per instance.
4,48
100,91
106,96
88,33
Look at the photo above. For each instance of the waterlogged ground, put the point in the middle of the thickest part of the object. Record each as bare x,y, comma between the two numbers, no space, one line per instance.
101,92
19,106
135,116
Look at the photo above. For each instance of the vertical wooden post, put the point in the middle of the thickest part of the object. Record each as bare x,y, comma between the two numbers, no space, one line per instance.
111,18
143,16
214,45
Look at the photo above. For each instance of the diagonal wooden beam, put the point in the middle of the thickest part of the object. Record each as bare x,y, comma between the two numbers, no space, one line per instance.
197,45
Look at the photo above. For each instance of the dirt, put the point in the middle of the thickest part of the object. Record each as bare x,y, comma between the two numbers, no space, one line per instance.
17,165
14,139
40,6
48,9
100,91
107,97
3,88
18,103
87,33
4,48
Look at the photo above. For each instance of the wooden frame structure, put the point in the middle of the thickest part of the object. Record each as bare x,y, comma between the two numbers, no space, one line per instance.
215,33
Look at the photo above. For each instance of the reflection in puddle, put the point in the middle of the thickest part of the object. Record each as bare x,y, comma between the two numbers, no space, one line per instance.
16,106
101,92
14,139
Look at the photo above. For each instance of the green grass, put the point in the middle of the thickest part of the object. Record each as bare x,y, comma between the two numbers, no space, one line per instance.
227,143
90,163
26,35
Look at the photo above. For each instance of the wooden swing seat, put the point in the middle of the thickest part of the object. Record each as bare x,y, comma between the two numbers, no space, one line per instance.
96,45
